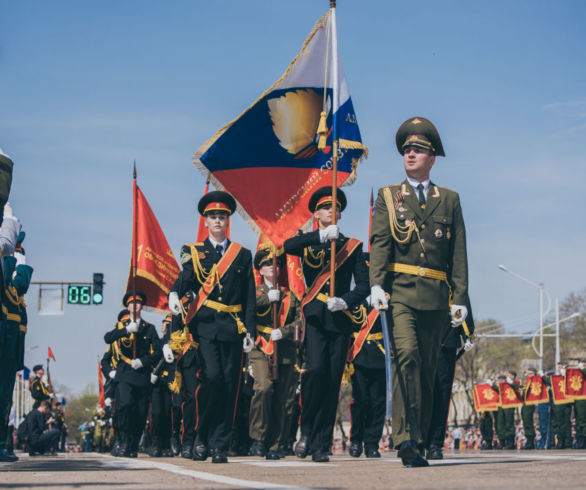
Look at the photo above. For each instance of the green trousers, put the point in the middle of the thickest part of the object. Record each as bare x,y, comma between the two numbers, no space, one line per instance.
272,405
527,413
562,425
580,414
416,335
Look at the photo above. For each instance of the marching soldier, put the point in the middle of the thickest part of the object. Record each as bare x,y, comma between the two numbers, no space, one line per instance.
528,413
561,415
580,414
486,429
328,323
418,256
39,390
219,273
367,410
132,376
271,407
505,417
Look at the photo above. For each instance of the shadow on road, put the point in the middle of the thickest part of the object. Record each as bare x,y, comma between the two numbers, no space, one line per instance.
64,464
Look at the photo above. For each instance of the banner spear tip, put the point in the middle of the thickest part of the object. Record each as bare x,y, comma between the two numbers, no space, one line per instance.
134,170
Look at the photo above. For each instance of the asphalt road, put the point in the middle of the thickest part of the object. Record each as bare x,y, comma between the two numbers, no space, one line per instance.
487,469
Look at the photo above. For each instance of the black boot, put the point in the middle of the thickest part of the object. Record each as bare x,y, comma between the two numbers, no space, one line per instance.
123,450
355,449
302,447
258,449
155,449
116,446
175,443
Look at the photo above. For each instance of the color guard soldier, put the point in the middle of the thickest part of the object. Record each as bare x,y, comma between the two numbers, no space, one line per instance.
367,409
221,319
580,414
133,372
527,415
328,323
418,257
271,407
39,390
561,415
505,417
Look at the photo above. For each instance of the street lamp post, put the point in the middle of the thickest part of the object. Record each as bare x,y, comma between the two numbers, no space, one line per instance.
541,313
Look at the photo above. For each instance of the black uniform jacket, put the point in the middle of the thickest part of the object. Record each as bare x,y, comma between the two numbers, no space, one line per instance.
316,257
39,390
236,287
371,356
148,350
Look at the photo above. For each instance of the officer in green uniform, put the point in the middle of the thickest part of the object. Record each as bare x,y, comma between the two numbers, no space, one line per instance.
418,257
561,417
580,414
271,407
486,429
505,419
528,414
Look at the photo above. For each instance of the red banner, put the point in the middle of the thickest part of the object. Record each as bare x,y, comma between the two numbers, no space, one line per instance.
50,354
558,390
152,258
486,399
509,396
575,386
535,391
101,396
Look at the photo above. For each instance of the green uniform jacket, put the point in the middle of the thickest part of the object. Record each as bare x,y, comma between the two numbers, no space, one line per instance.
286,349
441,246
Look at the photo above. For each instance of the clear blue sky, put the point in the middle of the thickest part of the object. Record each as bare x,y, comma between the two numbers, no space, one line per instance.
88,87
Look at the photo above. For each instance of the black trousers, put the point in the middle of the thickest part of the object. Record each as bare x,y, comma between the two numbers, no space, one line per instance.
325,356
442,394
367,410
7,380
47,441
176,417
161,414
132,404
190,409
216,399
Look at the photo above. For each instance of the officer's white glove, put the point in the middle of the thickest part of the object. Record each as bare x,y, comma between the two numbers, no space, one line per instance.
247,343
331,232
368,300
112,374
51,395
459,314
154,378
540,372
174,303
132,327
580,365
378,298
108,401
336,304
468,345
20,258
168,354
8,210
274,295
136,364
276,334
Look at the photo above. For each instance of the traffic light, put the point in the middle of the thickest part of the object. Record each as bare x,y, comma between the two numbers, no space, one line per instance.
98,289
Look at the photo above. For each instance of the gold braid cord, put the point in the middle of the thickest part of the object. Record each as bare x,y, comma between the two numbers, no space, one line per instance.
178,340
175,385
396,228
317,258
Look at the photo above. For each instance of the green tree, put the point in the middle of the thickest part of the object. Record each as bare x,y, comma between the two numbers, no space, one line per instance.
80,409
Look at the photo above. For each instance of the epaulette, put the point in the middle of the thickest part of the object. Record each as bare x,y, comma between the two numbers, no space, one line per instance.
446,189
186,251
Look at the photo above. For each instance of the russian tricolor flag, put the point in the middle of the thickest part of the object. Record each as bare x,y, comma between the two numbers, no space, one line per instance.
268,158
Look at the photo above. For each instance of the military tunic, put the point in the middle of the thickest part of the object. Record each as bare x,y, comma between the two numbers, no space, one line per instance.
271,407
219,335
327,334
417,241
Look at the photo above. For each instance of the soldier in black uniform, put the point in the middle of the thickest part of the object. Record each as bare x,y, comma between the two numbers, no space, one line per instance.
225,309
39,390
132,376
367,410
328,326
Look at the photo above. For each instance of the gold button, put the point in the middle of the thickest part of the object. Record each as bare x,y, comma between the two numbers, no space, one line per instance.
368,341
423,226
422,255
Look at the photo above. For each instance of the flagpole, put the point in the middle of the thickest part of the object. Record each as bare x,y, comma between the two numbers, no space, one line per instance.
134,231
274,359
370,218
334,47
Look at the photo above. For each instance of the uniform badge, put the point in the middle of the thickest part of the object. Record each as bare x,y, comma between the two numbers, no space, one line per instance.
439,233
407,221
448,235
201,255
399,201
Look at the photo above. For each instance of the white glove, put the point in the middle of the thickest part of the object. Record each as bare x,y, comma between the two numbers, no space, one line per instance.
247,343
20,258
378,298
8,210
136,364
368,300
112,374
108,401
468,345
274,295
51,395
174,303
154,378
329,233
276,334
168,354
132,327
459,314
336,304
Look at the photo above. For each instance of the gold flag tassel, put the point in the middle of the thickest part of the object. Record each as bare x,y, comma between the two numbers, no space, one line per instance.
322,130
348,372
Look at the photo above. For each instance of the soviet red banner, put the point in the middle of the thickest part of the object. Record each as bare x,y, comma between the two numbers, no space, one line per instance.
509,396
575,386
558,389
536,391
486,399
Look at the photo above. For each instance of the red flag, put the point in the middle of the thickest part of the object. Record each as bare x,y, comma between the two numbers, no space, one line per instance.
509,396
535,391
486,399
558,390
50,354
101,395
575,385
152,259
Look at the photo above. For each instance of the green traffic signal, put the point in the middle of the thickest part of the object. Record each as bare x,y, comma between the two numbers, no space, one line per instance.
98,289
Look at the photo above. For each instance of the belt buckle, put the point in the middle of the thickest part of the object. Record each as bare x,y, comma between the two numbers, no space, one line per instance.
421,271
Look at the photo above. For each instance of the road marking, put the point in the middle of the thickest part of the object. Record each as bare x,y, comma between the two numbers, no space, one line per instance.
200,475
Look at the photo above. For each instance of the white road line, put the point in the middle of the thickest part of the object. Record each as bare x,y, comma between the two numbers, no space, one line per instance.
200,475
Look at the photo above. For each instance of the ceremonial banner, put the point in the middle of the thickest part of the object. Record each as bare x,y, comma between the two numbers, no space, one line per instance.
274,143
486,399
575,386
101,395
536,390
509,396
558,390
152,259
50,354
